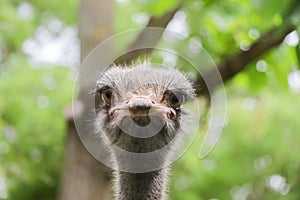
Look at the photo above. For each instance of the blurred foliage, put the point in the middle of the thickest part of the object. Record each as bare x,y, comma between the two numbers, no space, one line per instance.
259,141
256,157
32,127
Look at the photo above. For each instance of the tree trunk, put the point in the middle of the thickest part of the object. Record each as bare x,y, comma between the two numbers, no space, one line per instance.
84,177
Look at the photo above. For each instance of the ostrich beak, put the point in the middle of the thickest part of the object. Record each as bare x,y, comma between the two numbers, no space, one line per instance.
142,107
139,110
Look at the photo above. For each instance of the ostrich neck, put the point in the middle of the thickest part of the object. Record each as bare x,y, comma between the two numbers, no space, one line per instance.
142,186
147,185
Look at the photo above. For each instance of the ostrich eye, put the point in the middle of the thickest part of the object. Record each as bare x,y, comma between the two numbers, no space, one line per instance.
173,98
106,96
174,101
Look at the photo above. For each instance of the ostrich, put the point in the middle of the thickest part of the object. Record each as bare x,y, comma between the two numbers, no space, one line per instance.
140,111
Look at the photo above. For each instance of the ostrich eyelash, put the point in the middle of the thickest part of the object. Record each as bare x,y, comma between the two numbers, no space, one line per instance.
103,89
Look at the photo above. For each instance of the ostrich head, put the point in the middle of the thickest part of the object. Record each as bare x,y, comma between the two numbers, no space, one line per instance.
140,107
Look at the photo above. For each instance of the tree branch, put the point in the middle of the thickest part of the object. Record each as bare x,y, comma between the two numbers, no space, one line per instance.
147,38
232,65
237,62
